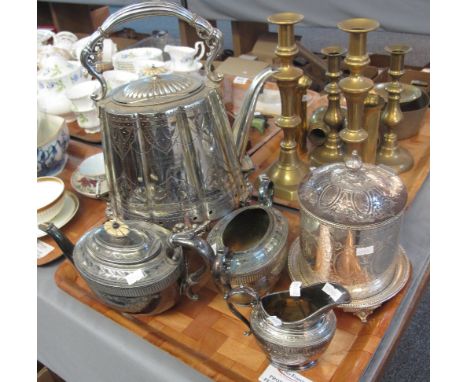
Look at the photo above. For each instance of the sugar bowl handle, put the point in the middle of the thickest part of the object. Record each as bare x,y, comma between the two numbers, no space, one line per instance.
238,291
212,37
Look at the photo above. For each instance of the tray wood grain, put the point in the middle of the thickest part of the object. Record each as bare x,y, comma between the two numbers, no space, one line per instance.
90,211
206,336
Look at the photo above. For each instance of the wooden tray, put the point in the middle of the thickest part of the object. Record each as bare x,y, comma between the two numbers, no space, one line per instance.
90,212
206,336
78,133
419,146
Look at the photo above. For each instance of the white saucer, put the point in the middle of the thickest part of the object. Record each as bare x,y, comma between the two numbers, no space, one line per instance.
194,68
69,209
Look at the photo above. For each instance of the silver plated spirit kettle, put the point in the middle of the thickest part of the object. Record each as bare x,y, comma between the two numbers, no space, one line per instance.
170,152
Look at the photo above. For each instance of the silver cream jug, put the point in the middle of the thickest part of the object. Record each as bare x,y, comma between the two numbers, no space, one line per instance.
293,331
170,153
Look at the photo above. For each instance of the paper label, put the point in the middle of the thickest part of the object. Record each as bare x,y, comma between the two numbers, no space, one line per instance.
133,277
43,249
334,293
275,321
240,80
365,251
272,374
295,289
305,98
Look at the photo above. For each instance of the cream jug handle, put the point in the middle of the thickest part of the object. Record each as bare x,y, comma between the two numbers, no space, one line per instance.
237,291
212,37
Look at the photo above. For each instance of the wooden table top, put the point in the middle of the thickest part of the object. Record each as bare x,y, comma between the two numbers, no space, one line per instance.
205,335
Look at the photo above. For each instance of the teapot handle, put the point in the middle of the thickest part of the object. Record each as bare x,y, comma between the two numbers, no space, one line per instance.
189,239
237,291
212,37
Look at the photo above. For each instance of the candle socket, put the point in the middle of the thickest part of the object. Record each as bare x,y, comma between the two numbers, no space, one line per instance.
287,172
390,153
332,118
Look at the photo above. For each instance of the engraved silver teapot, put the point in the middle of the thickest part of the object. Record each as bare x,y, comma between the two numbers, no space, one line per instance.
134,266
293,331
169,149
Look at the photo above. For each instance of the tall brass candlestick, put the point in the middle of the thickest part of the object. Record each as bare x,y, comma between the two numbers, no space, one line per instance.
332,150
390,153
289,170
356,87
301,109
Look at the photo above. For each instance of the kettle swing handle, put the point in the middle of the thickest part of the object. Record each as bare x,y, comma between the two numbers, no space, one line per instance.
238,291
212,37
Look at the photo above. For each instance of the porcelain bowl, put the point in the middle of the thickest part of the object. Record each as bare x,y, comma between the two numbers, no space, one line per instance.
50,194
52,144
56,104
58,78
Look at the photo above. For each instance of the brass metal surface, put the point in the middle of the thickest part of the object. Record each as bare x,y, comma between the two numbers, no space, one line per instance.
332,149
358,28
301,109
373,105
288,171
356,87
390,153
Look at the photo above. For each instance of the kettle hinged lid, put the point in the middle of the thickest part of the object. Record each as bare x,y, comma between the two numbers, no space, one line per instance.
157,89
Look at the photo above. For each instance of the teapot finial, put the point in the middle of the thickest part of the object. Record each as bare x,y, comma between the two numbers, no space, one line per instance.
116,228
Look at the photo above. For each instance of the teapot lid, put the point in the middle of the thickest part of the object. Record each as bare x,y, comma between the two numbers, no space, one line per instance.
127,255
157,89
353,193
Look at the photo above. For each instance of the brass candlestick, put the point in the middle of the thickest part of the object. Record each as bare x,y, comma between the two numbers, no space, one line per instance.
289,170
390,153
356,87
301,109
332,150
373,105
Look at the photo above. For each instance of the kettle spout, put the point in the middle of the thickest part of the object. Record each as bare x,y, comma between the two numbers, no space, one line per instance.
244,118
62,241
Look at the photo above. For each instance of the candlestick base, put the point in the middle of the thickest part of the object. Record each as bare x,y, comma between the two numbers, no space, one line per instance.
394,156
287,173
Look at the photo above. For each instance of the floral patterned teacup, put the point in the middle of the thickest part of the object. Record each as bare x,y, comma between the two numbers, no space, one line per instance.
90,177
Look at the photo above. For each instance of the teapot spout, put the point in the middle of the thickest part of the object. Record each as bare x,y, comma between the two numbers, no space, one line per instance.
62,241
244,118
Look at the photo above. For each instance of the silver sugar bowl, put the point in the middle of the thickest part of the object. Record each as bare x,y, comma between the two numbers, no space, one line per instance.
293,331
350,224
253,241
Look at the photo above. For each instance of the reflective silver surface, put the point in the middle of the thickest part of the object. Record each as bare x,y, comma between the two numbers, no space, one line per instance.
292,331
350,225
135,266
170,152
301,270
